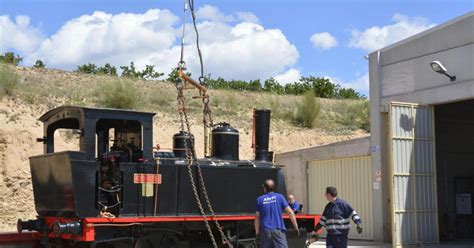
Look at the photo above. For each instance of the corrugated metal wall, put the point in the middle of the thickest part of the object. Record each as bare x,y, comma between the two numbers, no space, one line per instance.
352,178
413,175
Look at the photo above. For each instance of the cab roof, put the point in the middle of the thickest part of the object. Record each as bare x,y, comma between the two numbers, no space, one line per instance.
64,112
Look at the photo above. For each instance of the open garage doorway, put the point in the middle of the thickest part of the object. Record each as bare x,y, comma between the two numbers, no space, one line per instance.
454,128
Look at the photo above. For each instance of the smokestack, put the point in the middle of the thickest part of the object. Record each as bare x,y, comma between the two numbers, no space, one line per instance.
261,133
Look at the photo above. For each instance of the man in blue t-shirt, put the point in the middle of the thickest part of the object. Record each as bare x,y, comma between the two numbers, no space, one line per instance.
269,220
293,203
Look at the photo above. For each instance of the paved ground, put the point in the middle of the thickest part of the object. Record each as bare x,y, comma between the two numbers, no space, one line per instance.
360,244
354,244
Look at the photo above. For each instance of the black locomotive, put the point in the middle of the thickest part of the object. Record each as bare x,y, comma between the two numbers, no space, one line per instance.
118,190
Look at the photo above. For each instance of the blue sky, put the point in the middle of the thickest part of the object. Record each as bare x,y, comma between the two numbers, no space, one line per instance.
277,43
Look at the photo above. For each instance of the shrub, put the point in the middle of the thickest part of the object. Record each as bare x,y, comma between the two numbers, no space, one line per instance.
10,58
353,114
8,80
118,94
307,110
39,64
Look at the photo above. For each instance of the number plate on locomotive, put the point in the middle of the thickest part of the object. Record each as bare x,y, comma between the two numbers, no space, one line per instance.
147,178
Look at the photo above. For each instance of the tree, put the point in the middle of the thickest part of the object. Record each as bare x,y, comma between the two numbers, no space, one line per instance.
271,85
322,87
349,93
39,64
87,68
11,58
150,73
129,71
107,69
173,77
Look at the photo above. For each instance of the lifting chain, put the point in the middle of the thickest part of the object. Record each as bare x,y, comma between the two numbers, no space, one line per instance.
207,122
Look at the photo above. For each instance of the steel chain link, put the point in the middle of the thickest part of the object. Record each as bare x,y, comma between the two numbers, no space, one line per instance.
189,158
207,122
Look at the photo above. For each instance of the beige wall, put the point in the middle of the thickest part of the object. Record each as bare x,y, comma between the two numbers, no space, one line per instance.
296,163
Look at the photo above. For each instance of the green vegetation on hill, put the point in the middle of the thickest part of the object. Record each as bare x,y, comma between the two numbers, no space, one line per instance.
53,88
8,80
309,103
307,109
39,64
89,68
10,58
322,87
118,93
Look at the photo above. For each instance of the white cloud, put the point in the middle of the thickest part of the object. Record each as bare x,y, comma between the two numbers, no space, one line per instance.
323,40
102,37
18,34
377,37
240,49
212,13
290,76
360,83
247,17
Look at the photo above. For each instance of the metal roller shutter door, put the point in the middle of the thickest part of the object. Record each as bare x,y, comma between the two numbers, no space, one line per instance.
352,178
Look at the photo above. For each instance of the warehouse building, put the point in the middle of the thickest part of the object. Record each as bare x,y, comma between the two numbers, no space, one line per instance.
422,138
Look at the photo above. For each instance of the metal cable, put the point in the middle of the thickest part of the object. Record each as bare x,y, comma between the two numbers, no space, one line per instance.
181,60
191,7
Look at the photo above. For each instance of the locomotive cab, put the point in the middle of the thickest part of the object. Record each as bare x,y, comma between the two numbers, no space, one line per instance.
87,181
101,130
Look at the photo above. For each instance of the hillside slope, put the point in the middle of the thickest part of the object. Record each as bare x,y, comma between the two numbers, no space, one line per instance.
40,90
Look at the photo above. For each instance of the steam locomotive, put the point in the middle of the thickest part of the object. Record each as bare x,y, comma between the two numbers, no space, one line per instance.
118,190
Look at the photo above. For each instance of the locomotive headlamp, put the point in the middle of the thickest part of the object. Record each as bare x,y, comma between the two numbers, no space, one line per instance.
67,228
439,68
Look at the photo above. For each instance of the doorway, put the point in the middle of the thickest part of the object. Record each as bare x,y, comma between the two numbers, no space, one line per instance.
454,130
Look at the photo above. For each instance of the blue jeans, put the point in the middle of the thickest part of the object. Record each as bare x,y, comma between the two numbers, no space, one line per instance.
273,239
336,241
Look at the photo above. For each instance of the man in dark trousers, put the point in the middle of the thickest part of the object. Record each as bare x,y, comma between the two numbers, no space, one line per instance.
336,218
269,225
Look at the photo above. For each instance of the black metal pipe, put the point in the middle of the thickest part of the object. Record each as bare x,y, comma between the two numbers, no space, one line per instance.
262,133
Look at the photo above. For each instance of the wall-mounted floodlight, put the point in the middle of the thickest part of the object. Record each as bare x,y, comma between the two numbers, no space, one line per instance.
439,68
